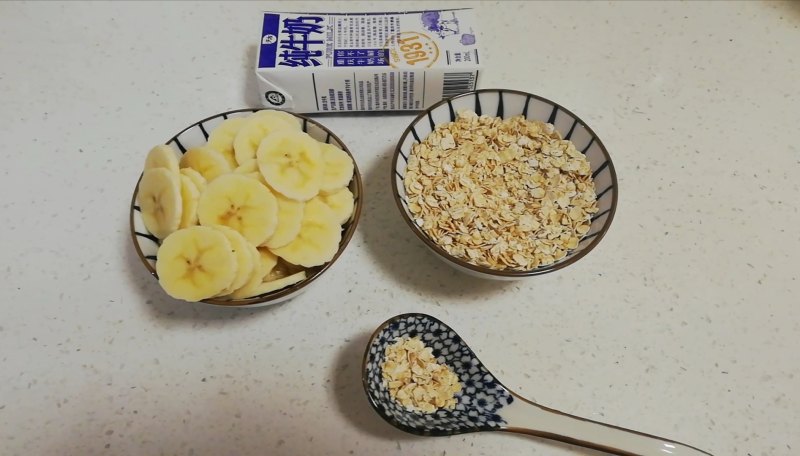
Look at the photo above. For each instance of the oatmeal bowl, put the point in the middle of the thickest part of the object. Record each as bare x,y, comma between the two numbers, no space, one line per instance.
503,184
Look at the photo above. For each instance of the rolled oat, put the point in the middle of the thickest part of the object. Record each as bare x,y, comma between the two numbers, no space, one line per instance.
416,380
505,194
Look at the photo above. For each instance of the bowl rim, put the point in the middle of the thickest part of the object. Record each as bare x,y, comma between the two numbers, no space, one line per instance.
282,293
483,269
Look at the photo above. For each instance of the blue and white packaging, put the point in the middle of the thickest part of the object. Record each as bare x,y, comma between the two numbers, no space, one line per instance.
346,62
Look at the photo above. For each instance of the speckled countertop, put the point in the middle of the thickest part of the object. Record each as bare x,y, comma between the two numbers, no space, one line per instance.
684,322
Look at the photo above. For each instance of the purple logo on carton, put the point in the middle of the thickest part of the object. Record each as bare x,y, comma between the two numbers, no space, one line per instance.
467,39
442,26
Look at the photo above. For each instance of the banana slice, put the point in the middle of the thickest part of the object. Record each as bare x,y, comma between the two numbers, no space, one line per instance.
195,263
159,198
253,132
290,217
294,121
221,138
267,287
162,156
256,176
190,196
338,168
241,203
318,240
267,261
250,166
255,279
244,258
291,163
206,161
340,202
197,179
280,271
275,285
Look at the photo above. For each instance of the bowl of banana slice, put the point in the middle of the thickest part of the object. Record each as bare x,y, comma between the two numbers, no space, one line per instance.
245,208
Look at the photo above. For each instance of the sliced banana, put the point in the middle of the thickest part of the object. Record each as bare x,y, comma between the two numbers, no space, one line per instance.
250,166
258,263
206,161
267,262
162,156
195,263
221,138
190,196
159,198
257,176
292,120
290,217
267,287
197,179
291,163
244,258
275,285
253,132
279,271
341,203
338,168
255,279
241,203
259,181
318,240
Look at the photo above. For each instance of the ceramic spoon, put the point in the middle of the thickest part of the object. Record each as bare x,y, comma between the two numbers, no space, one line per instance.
484,404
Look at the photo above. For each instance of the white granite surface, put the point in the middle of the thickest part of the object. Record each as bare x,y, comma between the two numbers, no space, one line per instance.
684,322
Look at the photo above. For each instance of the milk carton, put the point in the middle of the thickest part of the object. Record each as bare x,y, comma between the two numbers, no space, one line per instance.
346,62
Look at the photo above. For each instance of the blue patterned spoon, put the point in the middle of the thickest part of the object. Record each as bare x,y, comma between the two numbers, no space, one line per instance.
484,404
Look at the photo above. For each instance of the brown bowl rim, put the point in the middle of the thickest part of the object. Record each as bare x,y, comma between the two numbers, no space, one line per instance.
346,237
482,269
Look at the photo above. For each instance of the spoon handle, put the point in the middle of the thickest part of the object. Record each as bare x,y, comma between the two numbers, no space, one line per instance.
526,417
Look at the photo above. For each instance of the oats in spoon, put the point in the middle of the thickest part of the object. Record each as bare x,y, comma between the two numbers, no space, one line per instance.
416,380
